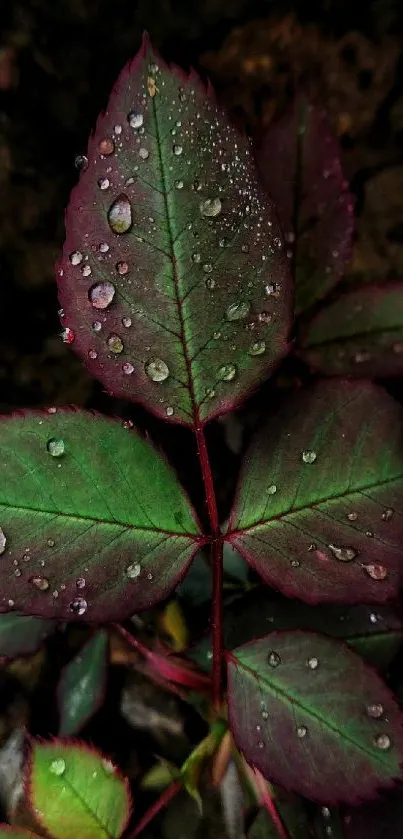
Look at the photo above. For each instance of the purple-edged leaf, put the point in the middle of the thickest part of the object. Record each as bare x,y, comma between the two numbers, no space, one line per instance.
299,164
94,524
174,281
76,791
319,506
376,634
82,685
22,635
313,717
359,334
292,813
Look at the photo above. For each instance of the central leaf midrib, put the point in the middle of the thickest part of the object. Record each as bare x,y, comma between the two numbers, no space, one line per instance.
178,296
292,700
87,808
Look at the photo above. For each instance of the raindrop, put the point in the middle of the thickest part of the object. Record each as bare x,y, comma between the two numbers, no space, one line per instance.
3,541
261,744
387,514
273,658
210,283
86,270
51,543
122,267
106,146
343,553
126,322
79,606
210,393
302,731
169,411
97,326
104,183
80,582
115,344
325,812
120,215
157,370
101,295
295,563
375,710
58,767
227,372
238,311
179,184
352,516
177,150
245,248
383,742
309,456
210,208
369,533
68,335
135,119
144,153
128,368
313,663
272,289
373,617
265,715
272,489
133,571
76,257
55,447
81,162
107,766
104,247
196,257
376,571
258,348
265,317
41,583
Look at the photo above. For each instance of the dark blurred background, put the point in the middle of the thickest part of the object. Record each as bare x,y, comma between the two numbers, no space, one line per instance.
58,61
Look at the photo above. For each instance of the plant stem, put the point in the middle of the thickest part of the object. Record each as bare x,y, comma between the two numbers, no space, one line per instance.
164,799
217,566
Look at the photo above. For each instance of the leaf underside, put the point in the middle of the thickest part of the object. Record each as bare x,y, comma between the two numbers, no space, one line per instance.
319,507
21,635
76,791
82,685
299,163
359,334
309,728
192,302
95,531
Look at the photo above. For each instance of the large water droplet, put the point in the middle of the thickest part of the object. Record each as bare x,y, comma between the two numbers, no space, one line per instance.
106,146
309,456
196,257
258,348
238,311
376,571
177,150
128,368
133,571
273,658
115,344
120,215
272,489
144,154
375,710
76,257
313,663
55,447
79,606
104,183
3,541
122,268
344,553
41,583
135,119
302,731
101,295
80,582
157,370
210,208
383,742
387,514
58,767
227,372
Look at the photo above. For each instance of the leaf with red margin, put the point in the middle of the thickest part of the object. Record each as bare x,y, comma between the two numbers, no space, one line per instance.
82,684
319,506
183,302
21,635
75,790
313,717
359,334
299,164
96,531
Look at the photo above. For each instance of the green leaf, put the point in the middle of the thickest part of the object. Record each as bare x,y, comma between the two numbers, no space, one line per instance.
82,685
76,791
20,635
313,717
319,506
359,334
174,281
8,832
95,523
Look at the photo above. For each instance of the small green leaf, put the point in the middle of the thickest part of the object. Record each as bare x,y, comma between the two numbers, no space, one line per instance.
313,717
95,523
82,684
8,832
319,506
22,635
359,334
76,792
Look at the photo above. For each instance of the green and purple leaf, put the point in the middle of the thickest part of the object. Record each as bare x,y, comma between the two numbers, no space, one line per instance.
174,281
319,506
94,524
22,635
76,791
82,685
359,334
299,164
313,717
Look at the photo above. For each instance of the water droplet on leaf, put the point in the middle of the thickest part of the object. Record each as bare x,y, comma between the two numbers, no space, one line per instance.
128,368
272,289
313,663
376,571
115,344
196,257
76,257
144,154
55,447
302,731
169,411
80,582
387,514
101,295
41,583
352,516
157,370
375,710
58,767
210,208
177,150
79,606
104,183
122,268
3,541
273,659
343,553
258,348
106,146
309,456
81,162
135,119
120,215
68,336
383,742
227,372
238,311
133,571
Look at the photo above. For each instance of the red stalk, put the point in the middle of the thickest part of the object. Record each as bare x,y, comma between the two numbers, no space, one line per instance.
268,803
164,799
217,565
